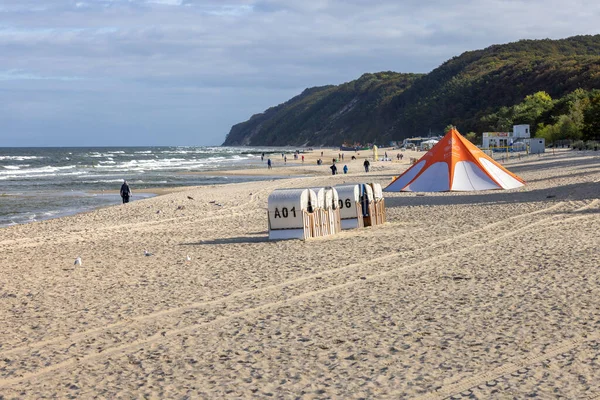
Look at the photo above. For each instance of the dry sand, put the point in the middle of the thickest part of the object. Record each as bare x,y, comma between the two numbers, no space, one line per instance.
460,295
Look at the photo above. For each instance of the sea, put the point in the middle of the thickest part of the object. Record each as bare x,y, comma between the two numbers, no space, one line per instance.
39,183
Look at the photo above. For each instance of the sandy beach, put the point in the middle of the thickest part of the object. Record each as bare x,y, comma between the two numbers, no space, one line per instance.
460,295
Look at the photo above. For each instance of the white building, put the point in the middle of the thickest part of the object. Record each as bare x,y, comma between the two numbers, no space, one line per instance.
503,139
536,145
521,131
428,144
519,139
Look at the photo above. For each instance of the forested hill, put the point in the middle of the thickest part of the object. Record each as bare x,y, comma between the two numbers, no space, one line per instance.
464,91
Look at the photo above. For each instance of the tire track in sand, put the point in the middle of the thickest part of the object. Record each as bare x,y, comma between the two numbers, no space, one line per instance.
279,285
511,367
160,333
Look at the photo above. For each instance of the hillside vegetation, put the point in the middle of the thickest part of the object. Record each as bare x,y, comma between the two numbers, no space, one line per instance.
550,84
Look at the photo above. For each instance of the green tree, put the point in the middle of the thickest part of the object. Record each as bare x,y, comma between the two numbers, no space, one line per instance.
578,101
548,132
448,127
564,128
501,121
568,128
532,108
591,118
471,137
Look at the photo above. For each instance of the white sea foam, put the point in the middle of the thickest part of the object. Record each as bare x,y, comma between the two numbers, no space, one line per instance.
14,167
47,171
32,171
19,158
105,181
167,164
50,213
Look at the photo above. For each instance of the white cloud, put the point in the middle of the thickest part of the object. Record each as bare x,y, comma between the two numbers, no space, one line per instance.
166,2
273,46
17,75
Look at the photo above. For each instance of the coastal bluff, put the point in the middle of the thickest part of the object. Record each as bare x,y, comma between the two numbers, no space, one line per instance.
465,91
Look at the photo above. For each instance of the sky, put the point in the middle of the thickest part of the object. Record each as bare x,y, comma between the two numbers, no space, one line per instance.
182,72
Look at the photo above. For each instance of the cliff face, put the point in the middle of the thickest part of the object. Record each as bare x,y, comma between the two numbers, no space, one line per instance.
388,106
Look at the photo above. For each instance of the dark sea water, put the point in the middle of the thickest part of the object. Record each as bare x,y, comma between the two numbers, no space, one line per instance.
43,183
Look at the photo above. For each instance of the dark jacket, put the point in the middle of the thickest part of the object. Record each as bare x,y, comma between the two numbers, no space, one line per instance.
125,192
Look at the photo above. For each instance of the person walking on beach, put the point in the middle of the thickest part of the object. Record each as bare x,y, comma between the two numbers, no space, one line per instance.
125,192
333,169
269,164
366,164
345,169
303,159
262,157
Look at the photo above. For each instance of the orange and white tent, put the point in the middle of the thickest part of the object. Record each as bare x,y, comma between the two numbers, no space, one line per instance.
454,164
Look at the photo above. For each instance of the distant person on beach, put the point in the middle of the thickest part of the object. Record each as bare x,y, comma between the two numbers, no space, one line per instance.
262,157
366,164
125,192
285,159
269,164
302,158
333,169
345,169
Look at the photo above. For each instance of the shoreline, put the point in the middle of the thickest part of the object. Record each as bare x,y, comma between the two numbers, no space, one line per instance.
293,169
30,207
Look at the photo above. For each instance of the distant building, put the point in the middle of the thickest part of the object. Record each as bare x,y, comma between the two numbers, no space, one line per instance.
504,139
519,140
521,131
537,145
416,142
428,144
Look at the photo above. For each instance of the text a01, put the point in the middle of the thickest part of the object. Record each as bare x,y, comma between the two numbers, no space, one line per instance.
284,213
